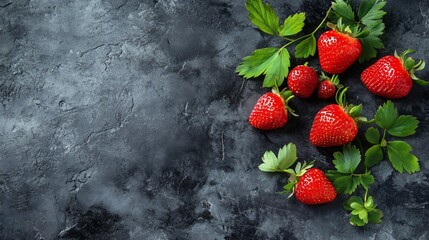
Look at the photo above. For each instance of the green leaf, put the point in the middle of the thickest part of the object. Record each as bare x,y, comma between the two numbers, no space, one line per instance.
375,216
348,160
366,180
272,62
386,115
263,16
356,221
352,199
344,10
372,135
292,25
401,158
277,69
370,45
343,183
306,48
373,156
257,63
404,126
287,156
363,214
270,162
370,14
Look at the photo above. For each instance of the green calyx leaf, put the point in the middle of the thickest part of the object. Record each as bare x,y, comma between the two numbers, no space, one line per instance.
411,66
386,115
306,47
263,16
401,158
362,212
285,158
292,25
340,97
356,111
272,62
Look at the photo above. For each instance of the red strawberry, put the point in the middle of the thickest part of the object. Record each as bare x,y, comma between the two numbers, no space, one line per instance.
328,87
337,51
314,188
271,110
335,125
392,76
302,81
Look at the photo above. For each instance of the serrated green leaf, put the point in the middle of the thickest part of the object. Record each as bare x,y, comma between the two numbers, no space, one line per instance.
270,162
263,16
287,156
292,25
386,115
348,160
370,44
365,7
375,13
366,180
401,158
257,63
277,69
344,10
306,48
405,125
343,183
372,135
373,156
375,216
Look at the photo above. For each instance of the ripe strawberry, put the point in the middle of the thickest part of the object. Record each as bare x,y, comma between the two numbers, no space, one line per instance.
314,188
335,124
328,87
271,110
302,81
392,76
337,51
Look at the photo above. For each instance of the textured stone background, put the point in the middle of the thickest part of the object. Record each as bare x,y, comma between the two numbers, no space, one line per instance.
125,120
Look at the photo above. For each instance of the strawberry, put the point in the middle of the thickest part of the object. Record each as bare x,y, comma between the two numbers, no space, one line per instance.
302,81
335,124
313,187
328,87
271,110
392,76
337,51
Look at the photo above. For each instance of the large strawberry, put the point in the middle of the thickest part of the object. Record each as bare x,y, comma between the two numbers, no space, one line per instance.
271,110
328,86
335,124
392,76
338,51
302,81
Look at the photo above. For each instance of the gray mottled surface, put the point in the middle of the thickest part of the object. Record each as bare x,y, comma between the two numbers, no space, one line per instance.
125,120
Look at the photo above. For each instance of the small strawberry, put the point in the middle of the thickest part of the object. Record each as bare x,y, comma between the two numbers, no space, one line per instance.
335,124
302,81
392,76
328,86
271,110
309,185
338,49
314,188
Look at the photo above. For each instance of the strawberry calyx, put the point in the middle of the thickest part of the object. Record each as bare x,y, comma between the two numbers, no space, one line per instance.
286,95
354,32
334,80
295,173
352,110
411,66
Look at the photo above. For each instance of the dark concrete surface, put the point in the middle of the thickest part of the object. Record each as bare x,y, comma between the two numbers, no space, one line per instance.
125,120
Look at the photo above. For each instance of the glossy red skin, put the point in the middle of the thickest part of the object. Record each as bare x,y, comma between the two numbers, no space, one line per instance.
326,90
314,188
269,112
332,127
337,51
387,78
302,81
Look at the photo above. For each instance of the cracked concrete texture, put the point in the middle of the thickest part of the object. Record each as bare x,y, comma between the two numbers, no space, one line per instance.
125,120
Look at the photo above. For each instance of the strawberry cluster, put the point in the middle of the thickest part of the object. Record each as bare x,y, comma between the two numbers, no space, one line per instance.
348,41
